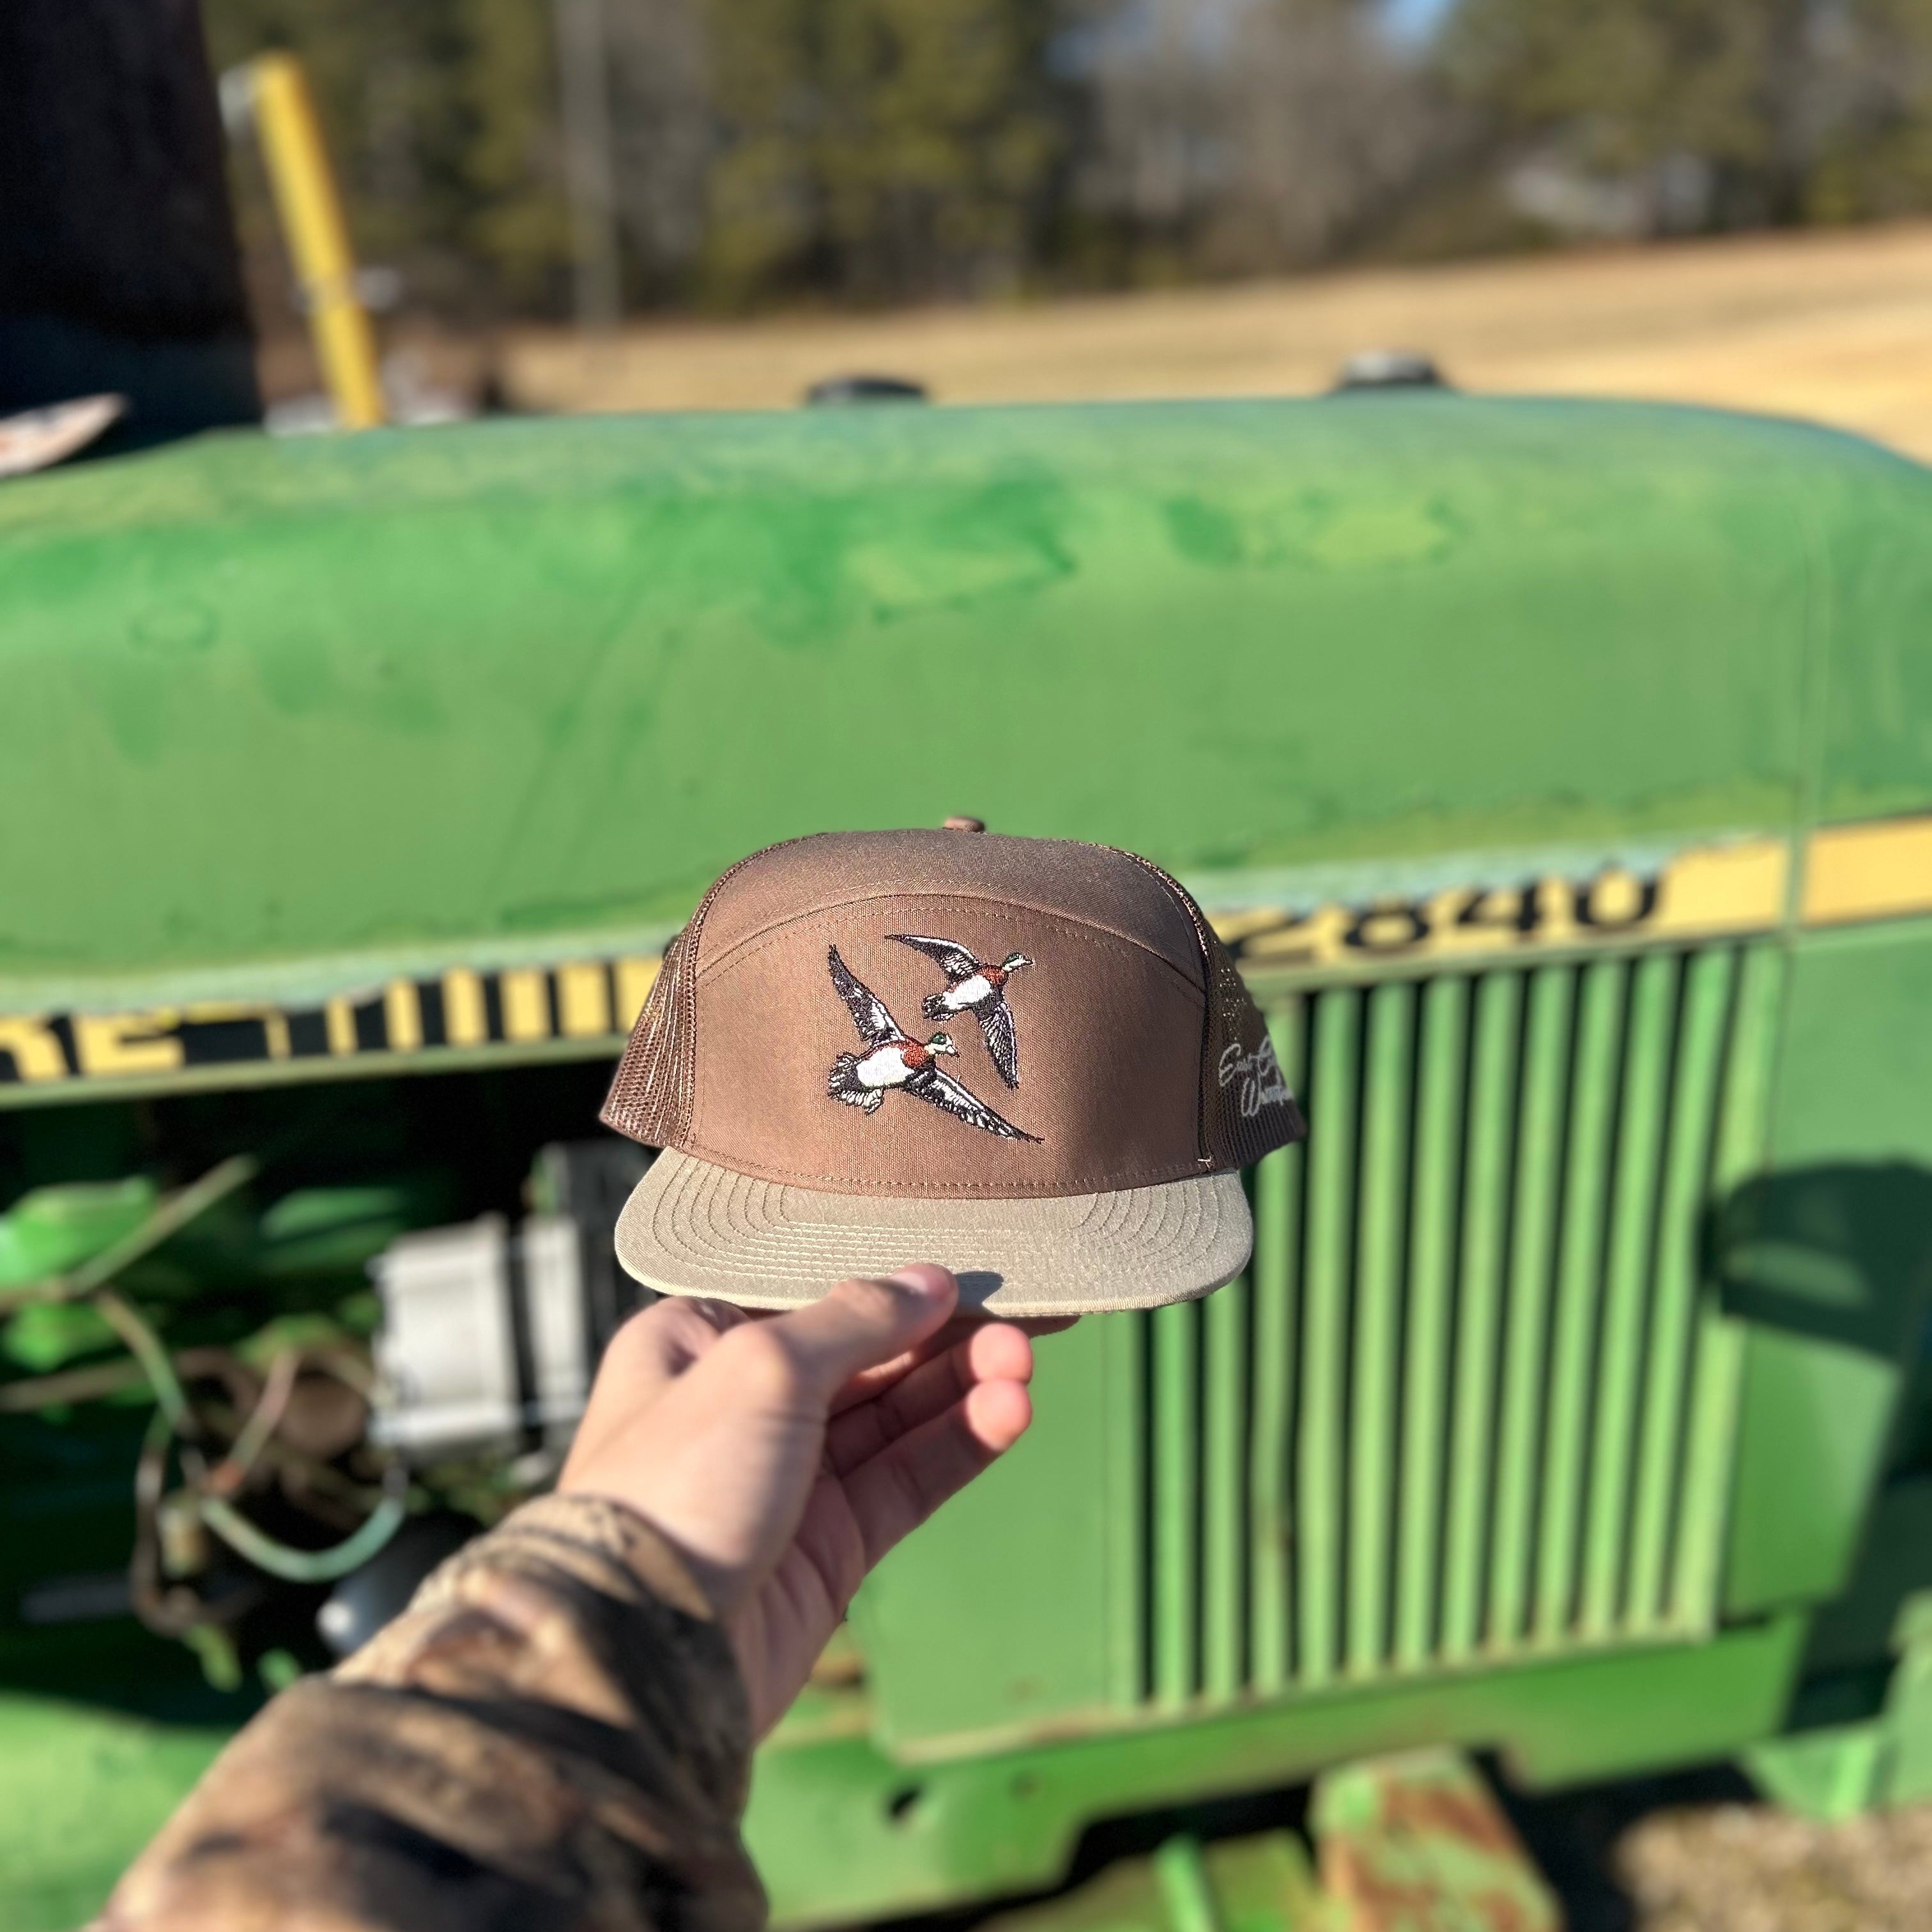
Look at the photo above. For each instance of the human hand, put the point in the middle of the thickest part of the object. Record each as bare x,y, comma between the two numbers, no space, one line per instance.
784,1456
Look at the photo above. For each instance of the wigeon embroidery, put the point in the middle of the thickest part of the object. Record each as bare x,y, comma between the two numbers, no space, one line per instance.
893,1059
974,986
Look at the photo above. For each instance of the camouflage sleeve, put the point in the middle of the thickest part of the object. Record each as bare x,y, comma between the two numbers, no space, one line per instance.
554,1736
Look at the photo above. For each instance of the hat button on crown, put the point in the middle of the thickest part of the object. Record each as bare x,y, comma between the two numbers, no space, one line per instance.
960,822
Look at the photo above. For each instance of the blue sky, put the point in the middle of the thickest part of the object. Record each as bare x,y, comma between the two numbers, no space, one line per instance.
1415,19
1209,22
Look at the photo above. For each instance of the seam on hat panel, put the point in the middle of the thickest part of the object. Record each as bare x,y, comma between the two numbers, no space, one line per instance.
695,928
815,1243
1204,942
787,1176
1106,1215
1098,936
677,1226
1102,1183
730,1269
695,1174
833,1263
753,942
1138,1216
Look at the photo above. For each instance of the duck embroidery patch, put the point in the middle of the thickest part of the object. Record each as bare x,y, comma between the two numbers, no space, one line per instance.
891,1058
973,986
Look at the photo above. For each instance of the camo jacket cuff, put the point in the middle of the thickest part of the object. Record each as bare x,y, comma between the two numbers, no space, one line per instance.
554,1736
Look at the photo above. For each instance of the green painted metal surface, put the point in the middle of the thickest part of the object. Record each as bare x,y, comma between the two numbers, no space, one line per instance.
1411,1842
841,1831
1828,1259
1263,1883
305,698
82,1789
1836,1771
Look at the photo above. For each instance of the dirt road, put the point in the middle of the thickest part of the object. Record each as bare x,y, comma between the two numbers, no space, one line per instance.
1834,326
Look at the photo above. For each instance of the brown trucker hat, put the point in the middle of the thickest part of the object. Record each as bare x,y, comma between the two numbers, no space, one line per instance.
1029,1059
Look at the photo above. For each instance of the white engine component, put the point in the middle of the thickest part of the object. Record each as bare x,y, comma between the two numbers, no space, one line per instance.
485,1337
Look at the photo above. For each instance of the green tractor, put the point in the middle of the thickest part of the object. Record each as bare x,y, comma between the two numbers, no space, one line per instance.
1560,775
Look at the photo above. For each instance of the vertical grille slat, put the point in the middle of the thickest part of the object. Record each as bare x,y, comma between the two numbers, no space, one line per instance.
1224,1527
1579,1288
1532,1246
1177,1484
1633,1247
1130,1467
1327,1282
1379,1244
1492,1148
1278,1182
1431,1278
1475,1400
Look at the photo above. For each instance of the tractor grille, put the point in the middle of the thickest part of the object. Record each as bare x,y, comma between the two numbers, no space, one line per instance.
1475,1400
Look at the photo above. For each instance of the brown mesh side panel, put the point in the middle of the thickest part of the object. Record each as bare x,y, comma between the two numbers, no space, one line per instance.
1246,1110
651,1094
655,1090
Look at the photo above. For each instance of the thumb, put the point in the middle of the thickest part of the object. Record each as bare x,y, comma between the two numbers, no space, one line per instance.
860,1324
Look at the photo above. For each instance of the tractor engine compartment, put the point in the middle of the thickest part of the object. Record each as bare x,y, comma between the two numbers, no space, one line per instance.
267,1356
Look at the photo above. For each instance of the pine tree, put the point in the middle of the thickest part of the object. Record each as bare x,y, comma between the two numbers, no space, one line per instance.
877,148
1791,109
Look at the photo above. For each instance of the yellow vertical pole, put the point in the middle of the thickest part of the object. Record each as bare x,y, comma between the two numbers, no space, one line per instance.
310,212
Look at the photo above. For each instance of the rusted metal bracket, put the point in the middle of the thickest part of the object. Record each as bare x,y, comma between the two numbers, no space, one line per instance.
1415,1842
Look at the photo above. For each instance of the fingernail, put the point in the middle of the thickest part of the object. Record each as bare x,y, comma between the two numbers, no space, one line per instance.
926,1278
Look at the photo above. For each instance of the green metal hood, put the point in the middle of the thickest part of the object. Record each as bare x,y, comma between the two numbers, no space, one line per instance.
430,692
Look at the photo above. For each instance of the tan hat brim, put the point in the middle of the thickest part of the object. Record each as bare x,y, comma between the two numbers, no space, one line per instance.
690,1228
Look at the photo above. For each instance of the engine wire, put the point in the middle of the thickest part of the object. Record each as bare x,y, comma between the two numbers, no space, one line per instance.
174,1610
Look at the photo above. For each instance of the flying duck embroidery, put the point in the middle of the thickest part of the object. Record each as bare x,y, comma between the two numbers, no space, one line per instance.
973,986
892,1058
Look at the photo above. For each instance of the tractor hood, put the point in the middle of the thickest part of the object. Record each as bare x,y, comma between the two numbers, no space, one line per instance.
289,708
